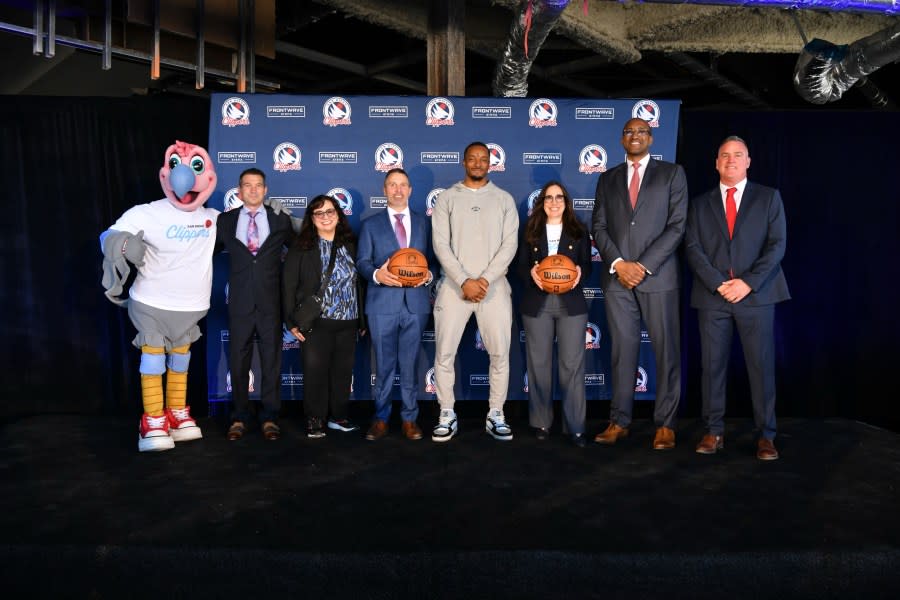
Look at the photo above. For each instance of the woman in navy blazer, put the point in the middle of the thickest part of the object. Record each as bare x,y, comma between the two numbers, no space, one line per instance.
552,228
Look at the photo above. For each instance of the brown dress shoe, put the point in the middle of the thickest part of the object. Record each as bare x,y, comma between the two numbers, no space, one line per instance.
710,443
377,430
765,450
411,430
664,439
271,431
236,431
612,434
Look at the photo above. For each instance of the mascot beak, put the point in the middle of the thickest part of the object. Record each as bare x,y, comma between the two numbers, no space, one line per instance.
182,180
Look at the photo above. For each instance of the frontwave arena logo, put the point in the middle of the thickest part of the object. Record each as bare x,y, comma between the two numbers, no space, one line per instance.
344,199
498,158
286,157
592,159
648,110
542,113
388,156
439,112
336,111
235,112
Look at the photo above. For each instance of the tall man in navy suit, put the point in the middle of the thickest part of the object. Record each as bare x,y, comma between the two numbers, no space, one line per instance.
254,236
734,243
639,217
396,315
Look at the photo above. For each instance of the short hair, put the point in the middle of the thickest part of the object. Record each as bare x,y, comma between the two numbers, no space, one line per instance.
734,138
252,171
396,170
473,144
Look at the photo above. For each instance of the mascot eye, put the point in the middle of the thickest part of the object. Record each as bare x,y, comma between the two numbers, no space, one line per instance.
174,161
198,164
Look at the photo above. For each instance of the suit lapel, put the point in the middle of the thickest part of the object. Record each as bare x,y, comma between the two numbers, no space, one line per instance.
718,211
746,206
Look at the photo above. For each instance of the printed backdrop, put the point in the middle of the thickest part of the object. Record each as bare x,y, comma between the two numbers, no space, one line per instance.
342,146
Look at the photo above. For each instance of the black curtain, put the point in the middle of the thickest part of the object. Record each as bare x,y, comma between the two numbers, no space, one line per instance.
73,165
70,167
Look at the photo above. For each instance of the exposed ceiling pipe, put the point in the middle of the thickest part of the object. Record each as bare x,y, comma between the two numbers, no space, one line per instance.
825,71
529,30
886,7
695,67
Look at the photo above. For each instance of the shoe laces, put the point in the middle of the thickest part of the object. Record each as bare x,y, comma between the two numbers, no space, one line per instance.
180,413
156,422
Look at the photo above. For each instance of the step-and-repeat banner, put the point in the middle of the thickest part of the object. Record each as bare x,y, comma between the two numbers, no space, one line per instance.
342,147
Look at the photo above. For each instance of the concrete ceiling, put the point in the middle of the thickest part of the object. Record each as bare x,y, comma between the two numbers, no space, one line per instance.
710,57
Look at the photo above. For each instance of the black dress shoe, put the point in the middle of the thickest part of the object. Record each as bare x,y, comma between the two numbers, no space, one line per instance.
578,440
541,433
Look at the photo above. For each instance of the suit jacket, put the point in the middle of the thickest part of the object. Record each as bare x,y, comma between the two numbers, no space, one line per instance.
377,243
754,253
651,233
254,281
302,278
531,254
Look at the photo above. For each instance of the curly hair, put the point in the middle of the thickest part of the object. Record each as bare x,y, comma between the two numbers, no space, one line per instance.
308,237
534,227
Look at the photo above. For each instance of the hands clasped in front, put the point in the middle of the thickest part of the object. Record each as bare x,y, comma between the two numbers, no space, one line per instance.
734,290
630,273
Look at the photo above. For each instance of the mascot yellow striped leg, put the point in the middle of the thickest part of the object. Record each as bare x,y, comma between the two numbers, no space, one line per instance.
154,430
182,426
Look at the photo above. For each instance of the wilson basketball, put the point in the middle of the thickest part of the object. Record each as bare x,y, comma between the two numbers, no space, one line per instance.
409,265
557,274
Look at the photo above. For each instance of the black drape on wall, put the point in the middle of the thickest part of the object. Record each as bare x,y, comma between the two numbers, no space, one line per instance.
71,166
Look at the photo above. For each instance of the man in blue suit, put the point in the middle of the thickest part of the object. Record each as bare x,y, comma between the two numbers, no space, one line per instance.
734,242
640,210
396,315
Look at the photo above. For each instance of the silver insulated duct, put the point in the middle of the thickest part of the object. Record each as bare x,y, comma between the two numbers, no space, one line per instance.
825,71
529,30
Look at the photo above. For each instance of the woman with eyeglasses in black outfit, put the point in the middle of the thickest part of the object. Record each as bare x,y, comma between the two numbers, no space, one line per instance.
552,228
329,346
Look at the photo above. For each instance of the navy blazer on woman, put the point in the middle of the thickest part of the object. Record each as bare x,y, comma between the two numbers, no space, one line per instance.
530,254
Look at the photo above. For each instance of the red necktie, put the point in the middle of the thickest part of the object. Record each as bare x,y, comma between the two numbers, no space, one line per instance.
252,234
730,211
635,184
400,230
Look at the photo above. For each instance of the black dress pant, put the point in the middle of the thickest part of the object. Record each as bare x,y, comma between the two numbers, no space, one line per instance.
328,355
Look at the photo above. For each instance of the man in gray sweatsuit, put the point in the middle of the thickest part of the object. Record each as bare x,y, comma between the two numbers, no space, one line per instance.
475,227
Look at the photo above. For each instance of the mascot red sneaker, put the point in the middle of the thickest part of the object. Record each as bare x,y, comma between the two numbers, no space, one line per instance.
170,242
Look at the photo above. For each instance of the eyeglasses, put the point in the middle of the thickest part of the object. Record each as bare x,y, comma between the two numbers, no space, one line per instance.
637,132
321,214
556,198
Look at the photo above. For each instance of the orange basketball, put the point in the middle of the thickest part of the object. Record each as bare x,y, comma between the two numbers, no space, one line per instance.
409,265
557,274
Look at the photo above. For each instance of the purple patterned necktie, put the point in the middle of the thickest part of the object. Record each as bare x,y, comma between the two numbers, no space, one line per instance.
252,234
400,230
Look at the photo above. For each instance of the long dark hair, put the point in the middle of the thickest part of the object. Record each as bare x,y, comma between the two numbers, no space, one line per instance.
534,227
308,238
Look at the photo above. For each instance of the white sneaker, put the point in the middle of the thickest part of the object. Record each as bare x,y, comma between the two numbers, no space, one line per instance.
182,426
495,424
153,434
446,427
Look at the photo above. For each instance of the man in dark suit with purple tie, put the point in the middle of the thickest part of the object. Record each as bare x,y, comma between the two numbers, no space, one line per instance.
734,243
640,210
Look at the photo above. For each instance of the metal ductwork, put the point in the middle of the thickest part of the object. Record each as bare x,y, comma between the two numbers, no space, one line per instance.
825,71
886,7
529,30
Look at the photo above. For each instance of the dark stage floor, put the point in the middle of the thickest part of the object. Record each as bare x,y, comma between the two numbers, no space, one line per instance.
84,514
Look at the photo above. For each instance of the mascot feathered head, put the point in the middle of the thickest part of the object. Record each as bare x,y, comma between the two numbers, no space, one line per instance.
188,176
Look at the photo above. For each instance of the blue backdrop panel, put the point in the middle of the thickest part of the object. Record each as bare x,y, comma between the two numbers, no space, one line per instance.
310,145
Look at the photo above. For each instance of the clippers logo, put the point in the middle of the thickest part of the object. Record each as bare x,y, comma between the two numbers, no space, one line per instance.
532,198
498,158
591,336
231,200
252,381
640,384
595,252
344,199
388,156
286,157
336,111
235,112
430,387
431,199
288,341
592,159
439,112
525,382
542,113
648,110
479,343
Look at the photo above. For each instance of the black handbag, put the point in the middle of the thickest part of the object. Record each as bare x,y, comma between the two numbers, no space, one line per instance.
308,309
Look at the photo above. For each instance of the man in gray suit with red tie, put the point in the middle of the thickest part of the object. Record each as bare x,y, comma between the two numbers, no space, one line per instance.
639,217
734,243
